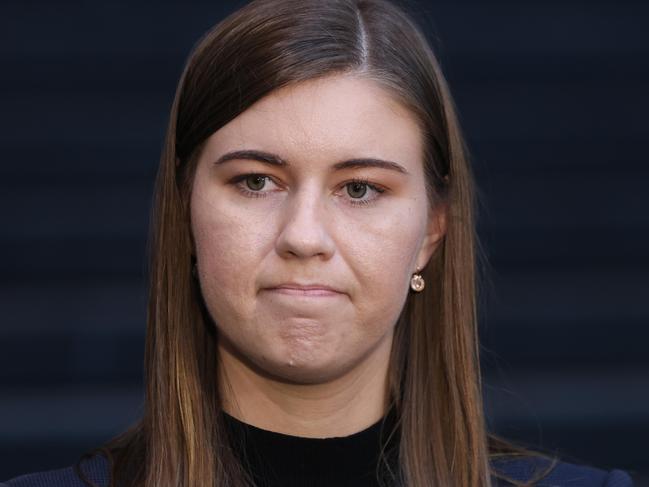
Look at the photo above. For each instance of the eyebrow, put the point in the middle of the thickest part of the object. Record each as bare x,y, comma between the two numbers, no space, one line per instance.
275,160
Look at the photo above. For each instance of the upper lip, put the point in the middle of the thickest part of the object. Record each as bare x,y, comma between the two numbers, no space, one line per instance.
304,286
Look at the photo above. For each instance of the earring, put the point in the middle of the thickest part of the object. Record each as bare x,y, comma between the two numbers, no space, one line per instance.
417,282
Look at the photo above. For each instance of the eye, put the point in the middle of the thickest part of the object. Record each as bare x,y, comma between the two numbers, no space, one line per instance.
360,192
252,184
358,188
256,182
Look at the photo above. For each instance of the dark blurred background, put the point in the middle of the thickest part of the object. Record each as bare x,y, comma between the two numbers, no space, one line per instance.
554,100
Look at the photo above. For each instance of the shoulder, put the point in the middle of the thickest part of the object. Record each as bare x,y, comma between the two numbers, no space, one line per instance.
559,474
95,468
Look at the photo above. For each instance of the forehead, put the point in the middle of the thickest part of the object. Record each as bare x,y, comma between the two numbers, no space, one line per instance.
325,119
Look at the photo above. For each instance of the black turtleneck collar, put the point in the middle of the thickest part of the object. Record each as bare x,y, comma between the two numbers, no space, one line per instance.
275,459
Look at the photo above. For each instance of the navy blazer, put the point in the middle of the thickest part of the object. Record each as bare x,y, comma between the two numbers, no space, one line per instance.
563,475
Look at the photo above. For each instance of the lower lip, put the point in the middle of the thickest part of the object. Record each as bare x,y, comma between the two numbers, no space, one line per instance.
314,293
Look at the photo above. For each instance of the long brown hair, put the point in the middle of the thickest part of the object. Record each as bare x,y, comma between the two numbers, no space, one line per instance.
434,380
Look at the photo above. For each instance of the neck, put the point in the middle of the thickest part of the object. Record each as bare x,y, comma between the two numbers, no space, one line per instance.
339,407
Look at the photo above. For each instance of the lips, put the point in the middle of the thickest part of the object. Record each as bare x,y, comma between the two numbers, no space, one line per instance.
314,289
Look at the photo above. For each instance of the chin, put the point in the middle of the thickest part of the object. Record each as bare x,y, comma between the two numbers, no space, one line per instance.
305,375
299,369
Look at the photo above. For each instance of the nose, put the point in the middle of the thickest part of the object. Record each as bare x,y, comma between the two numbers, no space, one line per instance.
304,232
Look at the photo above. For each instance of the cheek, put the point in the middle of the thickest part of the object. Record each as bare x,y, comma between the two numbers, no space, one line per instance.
229,250
226,237
387,241
382,253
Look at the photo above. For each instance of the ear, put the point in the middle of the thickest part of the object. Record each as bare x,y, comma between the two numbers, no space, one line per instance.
435,232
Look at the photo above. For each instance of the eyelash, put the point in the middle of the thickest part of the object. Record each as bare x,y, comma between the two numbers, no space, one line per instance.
237,180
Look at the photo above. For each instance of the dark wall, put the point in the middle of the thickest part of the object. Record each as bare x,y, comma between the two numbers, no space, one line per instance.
553,97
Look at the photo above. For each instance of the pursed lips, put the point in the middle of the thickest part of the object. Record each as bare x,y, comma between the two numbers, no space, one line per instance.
311,290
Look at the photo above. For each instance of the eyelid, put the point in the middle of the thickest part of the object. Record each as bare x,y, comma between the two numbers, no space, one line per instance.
238,180
377,188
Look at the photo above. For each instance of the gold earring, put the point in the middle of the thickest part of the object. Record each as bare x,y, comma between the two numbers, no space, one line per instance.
417,282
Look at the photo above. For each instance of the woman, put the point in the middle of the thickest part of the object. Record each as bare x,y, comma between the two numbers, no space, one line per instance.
312,315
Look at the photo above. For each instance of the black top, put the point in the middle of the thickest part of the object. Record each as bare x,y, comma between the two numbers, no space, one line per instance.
276,459
97,468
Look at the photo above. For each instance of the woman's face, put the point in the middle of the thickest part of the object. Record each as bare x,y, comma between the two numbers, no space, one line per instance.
309,215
